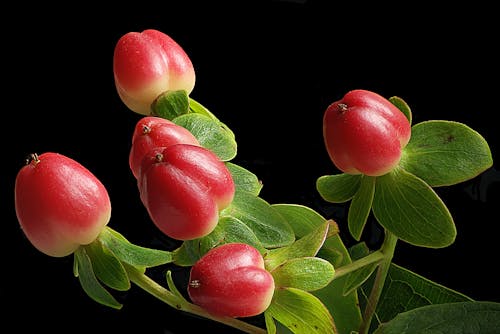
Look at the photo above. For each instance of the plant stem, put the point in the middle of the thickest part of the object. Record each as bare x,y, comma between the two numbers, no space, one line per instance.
374,257
165,295
387,249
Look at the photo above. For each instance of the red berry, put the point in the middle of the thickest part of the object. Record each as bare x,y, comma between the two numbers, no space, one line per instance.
365,133
147,64
60,204
230,280
151,132
184,187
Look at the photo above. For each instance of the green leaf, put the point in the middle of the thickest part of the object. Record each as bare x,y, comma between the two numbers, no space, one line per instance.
338,188
244,180
409,208
405,290
301,218
269,226
360,207
306,273
173,288
344,308
210,134
171,104
445,153
301,312
228,229
90,283
481,317
198,108
107,267
306,246
403,106
358,277
133,254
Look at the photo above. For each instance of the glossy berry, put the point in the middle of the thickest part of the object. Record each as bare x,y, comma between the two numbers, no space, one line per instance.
184,187
230,280
365,133
147,64
60,204
151,132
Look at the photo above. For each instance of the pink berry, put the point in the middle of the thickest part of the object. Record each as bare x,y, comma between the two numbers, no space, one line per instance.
151,132
147,64
60,204
184,187
365,133
231,280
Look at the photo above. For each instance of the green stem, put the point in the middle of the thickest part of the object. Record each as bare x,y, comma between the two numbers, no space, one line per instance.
158,291
387,249
374,257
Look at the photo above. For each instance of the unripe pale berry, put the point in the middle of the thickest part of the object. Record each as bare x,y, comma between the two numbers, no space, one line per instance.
60,204
365,133
147,64
230,280
184,187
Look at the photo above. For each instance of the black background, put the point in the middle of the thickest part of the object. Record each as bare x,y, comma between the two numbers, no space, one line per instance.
268,70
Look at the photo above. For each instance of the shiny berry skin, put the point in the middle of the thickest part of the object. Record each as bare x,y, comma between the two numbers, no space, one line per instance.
365,133
147,64
184,187
151,132
60,204
230,280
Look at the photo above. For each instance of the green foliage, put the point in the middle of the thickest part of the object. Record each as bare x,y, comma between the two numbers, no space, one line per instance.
467,317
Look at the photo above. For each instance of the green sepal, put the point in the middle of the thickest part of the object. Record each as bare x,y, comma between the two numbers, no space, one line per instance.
410,209
305,273
300,311
107,267
89,282
361,206
444,153
403,106
133,254
171,104
338,188
173,288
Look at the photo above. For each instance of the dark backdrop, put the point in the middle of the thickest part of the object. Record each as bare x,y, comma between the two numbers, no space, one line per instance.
268,70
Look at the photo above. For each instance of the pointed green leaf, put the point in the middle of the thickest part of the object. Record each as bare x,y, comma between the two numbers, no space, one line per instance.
445,153
302,219
306,246
269,226
171,104
270,323
198,108
187,253
338,188
90,283
210,134
301,312
360,207
409,208
358,277
403,106
133,254
244,179
482,317
306,273
107,267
